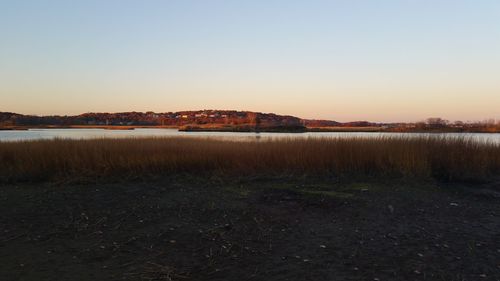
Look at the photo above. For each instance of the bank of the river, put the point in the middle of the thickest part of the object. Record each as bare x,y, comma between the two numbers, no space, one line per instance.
237,129
103,127
255,229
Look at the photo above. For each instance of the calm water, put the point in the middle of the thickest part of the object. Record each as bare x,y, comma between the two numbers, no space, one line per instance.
37,134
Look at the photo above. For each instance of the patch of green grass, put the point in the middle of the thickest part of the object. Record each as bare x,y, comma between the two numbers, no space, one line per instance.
239,190
327,193
314,189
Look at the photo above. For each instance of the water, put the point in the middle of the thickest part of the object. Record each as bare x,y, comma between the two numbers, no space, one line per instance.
38,134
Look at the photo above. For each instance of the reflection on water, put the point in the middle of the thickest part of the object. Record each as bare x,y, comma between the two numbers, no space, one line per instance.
37,134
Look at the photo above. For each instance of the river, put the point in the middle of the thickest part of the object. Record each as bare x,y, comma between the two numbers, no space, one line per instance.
38,134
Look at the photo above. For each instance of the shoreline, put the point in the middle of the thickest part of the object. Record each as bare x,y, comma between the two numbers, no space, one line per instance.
248,130
104,127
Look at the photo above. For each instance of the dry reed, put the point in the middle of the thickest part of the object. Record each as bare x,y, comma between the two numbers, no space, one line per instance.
422,157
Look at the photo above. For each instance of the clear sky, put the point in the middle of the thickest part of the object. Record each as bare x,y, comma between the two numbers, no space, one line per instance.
378,60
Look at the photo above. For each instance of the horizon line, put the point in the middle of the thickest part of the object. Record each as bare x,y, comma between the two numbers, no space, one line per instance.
322,119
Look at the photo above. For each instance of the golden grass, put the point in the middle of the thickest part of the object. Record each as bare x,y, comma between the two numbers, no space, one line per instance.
454,159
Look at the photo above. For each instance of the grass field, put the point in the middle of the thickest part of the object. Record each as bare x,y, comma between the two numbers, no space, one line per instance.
425,157
292,209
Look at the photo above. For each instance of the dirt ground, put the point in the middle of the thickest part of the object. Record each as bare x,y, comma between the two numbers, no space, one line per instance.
254,229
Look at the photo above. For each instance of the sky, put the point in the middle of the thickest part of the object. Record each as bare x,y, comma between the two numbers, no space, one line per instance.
345,60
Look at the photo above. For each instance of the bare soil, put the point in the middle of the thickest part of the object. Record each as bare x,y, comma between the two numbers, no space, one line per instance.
258,229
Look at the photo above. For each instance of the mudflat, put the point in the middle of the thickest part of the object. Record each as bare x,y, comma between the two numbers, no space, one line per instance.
187,228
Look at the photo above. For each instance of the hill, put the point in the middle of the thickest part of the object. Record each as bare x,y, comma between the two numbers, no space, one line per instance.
199,119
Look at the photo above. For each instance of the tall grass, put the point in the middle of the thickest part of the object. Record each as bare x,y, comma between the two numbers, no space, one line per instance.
423,157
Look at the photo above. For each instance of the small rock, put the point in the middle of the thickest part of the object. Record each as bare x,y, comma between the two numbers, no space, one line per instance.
322,246
306,260
173,241
416,272
454,204
482,275
420,255
391,208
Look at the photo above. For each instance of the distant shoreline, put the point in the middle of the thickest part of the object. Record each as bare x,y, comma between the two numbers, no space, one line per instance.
248,129
232,121
104,127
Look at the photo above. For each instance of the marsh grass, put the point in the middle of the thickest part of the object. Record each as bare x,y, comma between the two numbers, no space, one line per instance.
419,157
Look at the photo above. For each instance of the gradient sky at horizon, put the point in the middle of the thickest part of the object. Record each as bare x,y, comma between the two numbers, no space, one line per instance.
386,60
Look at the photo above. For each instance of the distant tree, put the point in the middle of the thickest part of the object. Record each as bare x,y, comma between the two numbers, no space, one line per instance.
257,122
437,122
489,122
420,125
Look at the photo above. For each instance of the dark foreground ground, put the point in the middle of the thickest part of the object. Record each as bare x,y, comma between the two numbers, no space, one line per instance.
288,229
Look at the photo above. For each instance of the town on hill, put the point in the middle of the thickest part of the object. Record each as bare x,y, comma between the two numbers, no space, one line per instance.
231,120
186,120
